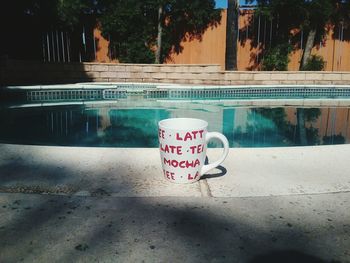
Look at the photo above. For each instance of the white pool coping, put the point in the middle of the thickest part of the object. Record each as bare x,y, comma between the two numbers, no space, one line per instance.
227,103
88,85
136,172
103,85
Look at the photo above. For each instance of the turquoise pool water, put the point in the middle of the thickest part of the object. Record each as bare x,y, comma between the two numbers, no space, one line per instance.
133,123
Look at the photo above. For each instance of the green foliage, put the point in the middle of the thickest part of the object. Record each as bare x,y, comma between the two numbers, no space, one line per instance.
276,115
312,137
317,14
279,117
132,25
69,12
290,14
342,13
277,58
49,14
334,139
312,114
127,24
305,15
133,50
314,63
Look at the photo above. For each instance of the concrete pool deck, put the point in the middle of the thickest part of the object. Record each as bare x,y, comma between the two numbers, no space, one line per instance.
136,172
71,204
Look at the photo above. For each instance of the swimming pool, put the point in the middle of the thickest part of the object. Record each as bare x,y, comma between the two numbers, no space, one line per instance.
131,121
112,91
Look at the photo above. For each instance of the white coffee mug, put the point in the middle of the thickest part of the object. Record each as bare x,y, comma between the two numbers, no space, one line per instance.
183,147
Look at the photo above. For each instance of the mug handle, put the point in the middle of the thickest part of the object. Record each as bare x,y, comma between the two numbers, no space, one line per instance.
222,138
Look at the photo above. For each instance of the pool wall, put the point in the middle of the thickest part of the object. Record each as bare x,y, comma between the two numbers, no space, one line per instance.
16,72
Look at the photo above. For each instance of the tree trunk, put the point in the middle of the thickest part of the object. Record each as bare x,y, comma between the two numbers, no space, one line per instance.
159,36
231,35
301,126
308,46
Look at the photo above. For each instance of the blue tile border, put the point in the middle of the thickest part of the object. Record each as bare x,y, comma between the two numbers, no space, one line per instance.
179,92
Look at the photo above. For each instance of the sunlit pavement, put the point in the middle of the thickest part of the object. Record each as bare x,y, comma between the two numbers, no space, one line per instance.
61,204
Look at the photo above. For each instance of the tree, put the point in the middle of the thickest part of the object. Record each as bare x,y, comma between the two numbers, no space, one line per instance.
137,28
309,135
159,35
130,27
317,14
286,16
141,31
24,21
314,63
58,13
309,16
343,8
231,35
276,58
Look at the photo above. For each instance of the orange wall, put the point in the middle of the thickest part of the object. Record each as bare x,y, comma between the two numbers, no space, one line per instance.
247,54
211,49
102,47
336,53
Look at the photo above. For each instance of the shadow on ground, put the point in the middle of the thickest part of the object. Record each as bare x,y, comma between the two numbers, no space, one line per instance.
107,229
68,228
222,171
286,256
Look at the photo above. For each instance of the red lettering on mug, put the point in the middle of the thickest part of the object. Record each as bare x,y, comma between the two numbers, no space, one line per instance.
190,177
189,136
161,133
194,134
196,149
170,149
181,164
201,133
178,137
169,175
